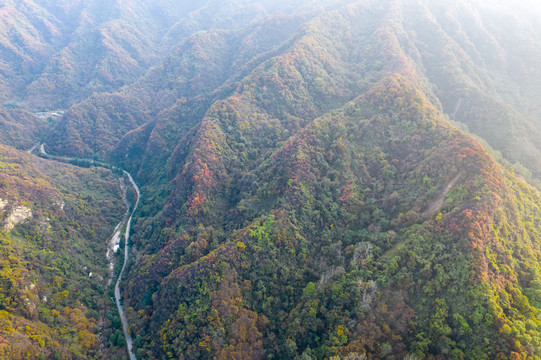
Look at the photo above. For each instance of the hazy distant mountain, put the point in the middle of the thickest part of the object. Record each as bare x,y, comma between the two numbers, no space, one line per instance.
57,53
350,179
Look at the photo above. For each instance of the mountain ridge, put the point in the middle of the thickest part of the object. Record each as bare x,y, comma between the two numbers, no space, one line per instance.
350,181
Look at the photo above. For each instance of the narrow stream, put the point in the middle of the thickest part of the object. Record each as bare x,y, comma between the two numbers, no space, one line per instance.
114,242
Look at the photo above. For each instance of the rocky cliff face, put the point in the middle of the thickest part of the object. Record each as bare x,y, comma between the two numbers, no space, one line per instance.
3,204
16,216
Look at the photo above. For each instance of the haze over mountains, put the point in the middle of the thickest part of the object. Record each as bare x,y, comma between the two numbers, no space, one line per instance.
319,179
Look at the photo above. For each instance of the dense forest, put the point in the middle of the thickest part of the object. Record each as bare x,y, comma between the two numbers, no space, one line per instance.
55,220
352,179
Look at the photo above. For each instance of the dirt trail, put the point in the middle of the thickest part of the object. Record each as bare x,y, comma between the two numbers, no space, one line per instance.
432,206
438,202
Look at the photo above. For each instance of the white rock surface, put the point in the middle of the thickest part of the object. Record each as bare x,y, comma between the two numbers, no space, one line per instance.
60,204
17,215
3,204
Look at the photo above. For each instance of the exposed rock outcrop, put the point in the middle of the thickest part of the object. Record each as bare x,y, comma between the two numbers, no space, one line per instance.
3,204
17,215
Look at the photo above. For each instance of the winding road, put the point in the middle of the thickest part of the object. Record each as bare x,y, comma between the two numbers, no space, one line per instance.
123,318
116,234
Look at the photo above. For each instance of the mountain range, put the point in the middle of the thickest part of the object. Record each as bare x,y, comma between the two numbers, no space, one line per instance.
320,179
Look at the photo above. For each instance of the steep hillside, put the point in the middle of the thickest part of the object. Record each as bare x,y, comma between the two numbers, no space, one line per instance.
57,53
204,67
29,36
322,180
481,62
21,129
55,222
334,237
220,221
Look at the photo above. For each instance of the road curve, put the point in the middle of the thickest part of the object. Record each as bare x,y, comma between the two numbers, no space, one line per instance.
120,306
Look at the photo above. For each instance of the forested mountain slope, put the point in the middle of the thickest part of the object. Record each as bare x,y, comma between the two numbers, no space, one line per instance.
21,129
55,220
56,53
341,258
226,197
483,67
346,179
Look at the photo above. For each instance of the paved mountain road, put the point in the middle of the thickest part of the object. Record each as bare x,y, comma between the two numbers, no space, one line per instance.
120,306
